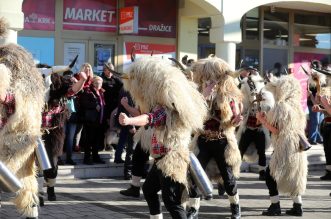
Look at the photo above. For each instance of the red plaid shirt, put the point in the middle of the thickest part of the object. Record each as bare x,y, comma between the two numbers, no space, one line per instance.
157,118
48,116
9,109
252,122
214,124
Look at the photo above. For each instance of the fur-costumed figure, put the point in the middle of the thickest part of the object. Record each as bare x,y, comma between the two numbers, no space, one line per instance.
21,90
287,171
216,147
321,78
254,138
172,109
54,117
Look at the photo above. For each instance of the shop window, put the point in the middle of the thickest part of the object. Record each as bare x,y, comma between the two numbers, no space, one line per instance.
102,54
252,25
252,58
41,48
275,61
275,30
312,30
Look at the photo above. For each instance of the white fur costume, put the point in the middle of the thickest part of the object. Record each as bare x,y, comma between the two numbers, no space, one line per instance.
250,108
153,81
288,165
215,70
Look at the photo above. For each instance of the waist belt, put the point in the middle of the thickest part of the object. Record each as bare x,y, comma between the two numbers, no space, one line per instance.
327,119
212,135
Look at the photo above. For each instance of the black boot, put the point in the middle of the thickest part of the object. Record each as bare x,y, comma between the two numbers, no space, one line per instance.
327,176
296,210
41,201
133,191
262,175
51,194
273,210
192,213
235,210
220,189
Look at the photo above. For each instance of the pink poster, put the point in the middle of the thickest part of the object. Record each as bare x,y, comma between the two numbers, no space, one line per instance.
156,18
304,59
39,15
146,49
90,15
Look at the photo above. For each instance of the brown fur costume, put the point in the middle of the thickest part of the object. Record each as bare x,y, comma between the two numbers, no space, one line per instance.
154,81
216,70
288,165
18,138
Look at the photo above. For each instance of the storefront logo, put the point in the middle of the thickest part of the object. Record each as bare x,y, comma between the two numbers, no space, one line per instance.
89,15
129,20
39,15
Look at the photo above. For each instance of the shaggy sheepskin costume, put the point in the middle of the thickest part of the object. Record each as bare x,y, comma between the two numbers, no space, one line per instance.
216,147
251,87
154,82
288,165
217,70
287,171
19,134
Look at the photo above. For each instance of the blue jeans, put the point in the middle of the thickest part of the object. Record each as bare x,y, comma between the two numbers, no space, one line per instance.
315,118
70,130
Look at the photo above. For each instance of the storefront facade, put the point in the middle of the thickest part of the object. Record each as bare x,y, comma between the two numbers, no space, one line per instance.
260,32
55,31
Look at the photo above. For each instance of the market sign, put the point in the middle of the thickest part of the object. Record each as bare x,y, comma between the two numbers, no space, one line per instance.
156,18
129,20
90,15
39,15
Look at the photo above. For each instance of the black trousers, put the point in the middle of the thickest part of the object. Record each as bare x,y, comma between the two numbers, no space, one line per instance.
171,194
271,183
256,136
49,173
139,159
128,155
215,149
326,133
89,140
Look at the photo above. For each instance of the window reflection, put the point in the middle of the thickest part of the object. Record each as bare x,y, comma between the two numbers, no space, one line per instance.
312,31
275,30
252,24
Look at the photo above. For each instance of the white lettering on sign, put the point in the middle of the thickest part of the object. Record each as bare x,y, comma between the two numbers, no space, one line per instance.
89,15
159,28
126,14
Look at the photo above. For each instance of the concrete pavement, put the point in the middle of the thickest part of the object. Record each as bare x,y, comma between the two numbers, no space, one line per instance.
100,198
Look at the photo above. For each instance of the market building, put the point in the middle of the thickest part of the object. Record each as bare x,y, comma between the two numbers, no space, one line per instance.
262,33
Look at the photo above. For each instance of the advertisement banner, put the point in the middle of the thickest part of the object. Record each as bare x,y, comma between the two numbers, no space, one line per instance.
146,49
70,52
39,15
303,59
156,18
90,15
129,20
